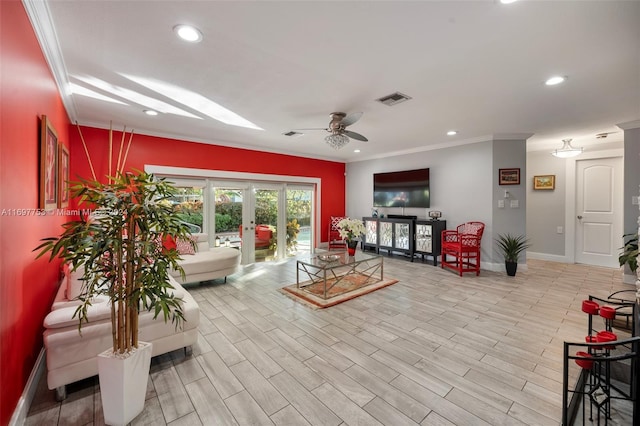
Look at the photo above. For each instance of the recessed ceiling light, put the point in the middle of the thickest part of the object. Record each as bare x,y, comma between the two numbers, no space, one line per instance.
556,79
188,33
452,132
356,150
150,112
508,1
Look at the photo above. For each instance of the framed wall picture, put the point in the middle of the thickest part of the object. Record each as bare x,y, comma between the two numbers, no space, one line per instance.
63,176
48,165
509,176
544,182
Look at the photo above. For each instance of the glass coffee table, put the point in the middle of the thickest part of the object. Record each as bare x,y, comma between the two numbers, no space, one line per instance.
331,274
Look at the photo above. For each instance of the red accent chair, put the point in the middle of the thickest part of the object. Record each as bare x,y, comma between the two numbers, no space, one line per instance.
336,242
463,245
263,236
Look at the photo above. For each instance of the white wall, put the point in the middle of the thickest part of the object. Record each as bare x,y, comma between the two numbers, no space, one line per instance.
463,187
546,209
512,218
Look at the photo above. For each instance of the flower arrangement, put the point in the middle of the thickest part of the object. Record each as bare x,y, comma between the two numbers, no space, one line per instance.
350,229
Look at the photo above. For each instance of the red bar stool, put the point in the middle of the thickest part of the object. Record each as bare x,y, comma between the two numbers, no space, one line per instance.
590,307
585,361
606,336
609,314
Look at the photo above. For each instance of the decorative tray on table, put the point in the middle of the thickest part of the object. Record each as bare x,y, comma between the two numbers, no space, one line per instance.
328,257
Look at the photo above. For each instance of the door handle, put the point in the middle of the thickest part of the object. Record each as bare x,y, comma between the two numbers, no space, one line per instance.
579,217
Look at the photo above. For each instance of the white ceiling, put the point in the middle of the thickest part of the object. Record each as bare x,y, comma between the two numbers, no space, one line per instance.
474,66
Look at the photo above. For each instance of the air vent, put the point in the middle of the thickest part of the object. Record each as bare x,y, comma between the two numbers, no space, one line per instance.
603,135
293,133
393,99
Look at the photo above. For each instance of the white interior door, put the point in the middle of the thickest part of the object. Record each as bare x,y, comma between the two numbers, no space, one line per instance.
599,211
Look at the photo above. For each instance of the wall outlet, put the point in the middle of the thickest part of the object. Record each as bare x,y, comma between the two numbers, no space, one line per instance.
501,204
515,204
634,200
559,230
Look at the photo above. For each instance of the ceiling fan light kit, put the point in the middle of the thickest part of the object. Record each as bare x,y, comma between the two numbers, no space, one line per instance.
339,136
337,140
567,151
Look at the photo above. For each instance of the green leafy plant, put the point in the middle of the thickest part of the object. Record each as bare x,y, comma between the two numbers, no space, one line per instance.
120,247
629,253
511,246
293,228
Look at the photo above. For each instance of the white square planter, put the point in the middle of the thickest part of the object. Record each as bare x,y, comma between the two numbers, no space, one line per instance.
123,383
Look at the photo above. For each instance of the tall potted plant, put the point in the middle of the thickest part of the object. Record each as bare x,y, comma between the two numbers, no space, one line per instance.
511,246
629,255
119,249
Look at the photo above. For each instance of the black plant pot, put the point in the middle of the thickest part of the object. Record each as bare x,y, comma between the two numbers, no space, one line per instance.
512,267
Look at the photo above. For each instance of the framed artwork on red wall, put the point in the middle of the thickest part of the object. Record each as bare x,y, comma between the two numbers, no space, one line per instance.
48,165
63,176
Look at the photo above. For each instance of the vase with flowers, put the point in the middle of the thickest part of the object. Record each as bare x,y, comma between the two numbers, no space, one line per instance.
350,230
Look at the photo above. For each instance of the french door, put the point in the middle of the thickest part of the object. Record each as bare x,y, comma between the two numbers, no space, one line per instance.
266,221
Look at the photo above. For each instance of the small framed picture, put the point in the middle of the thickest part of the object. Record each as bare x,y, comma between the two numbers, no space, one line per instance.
48,165
509,176
544,182
63,176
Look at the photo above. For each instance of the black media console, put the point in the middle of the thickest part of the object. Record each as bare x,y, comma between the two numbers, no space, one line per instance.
404,234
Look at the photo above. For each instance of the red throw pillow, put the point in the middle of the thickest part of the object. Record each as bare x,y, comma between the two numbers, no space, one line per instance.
168,242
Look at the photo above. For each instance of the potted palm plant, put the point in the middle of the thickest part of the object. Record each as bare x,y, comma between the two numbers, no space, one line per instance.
119,249
629,254
511,246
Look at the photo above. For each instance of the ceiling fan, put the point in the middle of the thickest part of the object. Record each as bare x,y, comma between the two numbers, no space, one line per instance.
339,136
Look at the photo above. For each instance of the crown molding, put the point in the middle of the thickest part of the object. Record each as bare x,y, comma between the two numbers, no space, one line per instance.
629,125
40,17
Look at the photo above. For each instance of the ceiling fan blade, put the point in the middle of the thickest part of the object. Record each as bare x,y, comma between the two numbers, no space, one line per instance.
351,118
315,128
354,135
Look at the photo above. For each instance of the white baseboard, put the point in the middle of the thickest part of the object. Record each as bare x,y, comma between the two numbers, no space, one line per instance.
29,392
546,256
499,267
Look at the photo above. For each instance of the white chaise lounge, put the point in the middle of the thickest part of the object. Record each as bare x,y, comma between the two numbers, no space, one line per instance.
207,263
72,355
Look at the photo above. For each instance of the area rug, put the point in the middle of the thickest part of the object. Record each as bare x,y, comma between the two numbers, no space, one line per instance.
348,288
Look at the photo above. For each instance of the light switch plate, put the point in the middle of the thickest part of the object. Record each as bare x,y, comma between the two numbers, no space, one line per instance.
501,204
515,204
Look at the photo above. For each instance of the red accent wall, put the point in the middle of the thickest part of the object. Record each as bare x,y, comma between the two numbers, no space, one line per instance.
27,286
176,153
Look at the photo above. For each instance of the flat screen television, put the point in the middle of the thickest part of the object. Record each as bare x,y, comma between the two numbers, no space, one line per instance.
409,188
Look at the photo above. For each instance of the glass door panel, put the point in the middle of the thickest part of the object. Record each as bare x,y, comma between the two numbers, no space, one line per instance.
228,216
188,204
266,223
299,220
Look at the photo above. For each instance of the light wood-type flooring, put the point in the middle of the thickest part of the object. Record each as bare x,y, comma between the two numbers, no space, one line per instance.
433,349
